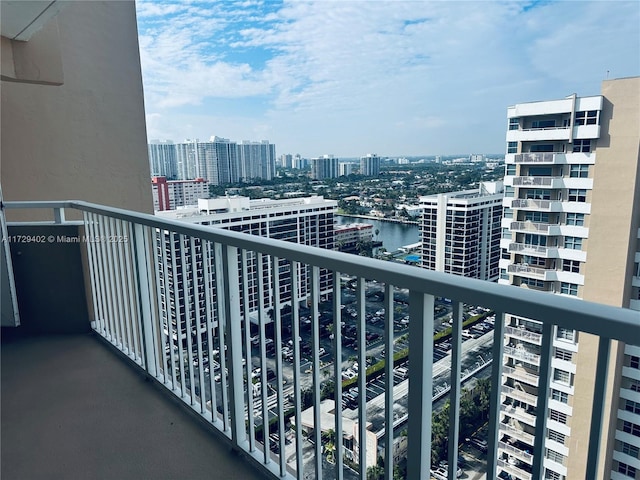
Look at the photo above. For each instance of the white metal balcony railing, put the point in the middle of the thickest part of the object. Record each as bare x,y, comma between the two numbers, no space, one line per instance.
519,414
534,181
523,334
530,227
546,157
521,374
514,470
544,205
520,395
127,272
518,433
522,354
516,452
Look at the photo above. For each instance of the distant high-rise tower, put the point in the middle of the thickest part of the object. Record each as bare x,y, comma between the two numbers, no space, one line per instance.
324,167
257,160
187,160
162,159
570,227
461,231
370,165
345,169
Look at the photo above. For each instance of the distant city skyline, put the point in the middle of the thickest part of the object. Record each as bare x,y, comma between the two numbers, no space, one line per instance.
350,78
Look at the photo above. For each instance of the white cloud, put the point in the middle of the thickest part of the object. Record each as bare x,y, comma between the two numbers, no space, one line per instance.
376,75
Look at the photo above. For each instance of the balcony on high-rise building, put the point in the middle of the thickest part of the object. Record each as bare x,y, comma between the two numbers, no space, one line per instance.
102,272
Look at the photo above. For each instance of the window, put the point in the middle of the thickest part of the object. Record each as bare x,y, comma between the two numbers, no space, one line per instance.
630,450
514,123
533,239
572,266
538,194
634,362
577,195
551,475
545,147
576,219
508,212
574,243
556,436
566,334
555,456
543,124
587,118
627,470
631,406
512,147
557,416
569,288
631,428
559,396
510,169
562,354
509,192
531,282
581,146
561,376
539,217
506,233
579,171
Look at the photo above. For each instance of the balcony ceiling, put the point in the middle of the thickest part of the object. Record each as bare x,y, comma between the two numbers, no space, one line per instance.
19,20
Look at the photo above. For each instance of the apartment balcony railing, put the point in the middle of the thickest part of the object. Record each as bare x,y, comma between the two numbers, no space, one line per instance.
534,181
522,354
516,452
531,204
518,433
519,414
523,334
535,227
520,395
537,250
515,471
546,157
127,258
520,374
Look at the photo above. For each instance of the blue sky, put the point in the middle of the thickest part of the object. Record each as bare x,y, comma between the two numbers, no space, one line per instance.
372,76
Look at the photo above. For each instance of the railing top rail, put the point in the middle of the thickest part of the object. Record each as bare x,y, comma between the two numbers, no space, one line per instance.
621,324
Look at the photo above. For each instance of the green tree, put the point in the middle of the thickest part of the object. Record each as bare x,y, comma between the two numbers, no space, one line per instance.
375,472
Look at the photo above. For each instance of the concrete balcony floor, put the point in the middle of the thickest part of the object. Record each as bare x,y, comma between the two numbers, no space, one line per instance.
71,408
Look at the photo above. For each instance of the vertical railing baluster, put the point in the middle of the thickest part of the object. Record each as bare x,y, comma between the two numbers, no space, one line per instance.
92,260
209,312
362,376
388,382
128,288
190,306
337,372
180,309
247,345
599,400
494,402
234,341
295,332
170,294
142,263
420,384
159,242
315,370
454,394
105,231
278,341
263,358
196,244
542,406
118,290
220,279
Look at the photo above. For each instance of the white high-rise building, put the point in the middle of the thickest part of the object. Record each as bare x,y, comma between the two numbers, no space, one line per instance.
324,167
370,165
307,221
461,231
570,227
257,160
162,159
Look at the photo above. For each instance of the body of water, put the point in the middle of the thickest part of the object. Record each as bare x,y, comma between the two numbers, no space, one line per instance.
392,235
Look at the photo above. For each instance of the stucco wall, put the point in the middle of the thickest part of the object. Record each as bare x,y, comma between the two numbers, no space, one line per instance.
85,139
